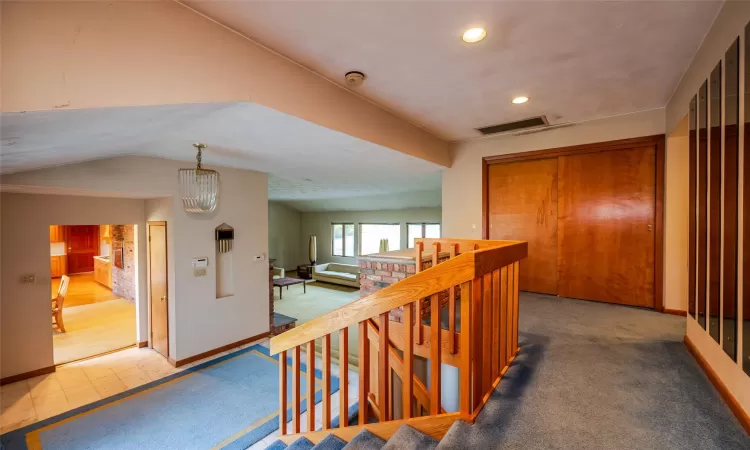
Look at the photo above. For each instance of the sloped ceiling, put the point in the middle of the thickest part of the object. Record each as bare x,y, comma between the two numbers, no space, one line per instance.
576,60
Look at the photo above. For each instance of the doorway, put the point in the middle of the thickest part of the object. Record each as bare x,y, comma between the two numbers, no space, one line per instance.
93,293
158,288
592,215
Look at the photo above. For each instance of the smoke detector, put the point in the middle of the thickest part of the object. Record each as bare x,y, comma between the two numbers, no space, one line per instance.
354,78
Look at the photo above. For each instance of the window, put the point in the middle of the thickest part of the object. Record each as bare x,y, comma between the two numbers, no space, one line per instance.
342,243
370,235
421,230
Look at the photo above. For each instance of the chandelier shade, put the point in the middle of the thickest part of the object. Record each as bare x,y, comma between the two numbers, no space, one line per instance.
199,187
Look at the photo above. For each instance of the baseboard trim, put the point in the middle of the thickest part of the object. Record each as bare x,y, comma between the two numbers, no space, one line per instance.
143,344
675,312
223,348
27,375
732,402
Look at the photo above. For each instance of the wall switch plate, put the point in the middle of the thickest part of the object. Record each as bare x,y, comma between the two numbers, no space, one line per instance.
28,279
199,272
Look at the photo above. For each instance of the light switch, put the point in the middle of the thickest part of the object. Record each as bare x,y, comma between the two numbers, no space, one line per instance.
199,272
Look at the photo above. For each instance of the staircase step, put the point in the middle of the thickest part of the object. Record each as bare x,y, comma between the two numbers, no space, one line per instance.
456,437
301,444
408,438
365,440
330,442
278,445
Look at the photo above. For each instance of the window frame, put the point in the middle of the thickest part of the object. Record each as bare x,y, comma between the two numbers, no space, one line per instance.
424,230
343,239
359,229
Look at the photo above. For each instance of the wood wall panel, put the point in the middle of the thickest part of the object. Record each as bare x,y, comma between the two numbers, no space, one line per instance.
522,205
606,222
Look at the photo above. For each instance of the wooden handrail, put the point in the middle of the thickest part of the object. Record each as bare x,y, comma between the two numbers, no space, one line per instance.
438,278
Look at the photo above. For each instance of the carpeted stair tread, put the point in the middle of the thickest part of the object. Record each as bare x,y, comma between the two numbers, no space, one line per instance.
365,440
278,445
301,444
330,442
408,438
456,437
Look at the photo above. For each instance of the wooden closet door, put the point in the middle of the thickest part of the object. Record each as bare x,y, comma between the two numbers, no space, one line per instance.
606,225
523,206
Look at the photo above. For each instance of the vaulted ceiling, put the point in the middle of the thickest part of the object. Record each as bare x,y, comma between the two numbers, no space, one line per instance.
576,60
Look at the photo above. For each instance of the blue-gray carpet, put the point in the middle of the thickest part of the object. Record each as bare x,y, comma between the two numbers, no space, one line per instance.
598,376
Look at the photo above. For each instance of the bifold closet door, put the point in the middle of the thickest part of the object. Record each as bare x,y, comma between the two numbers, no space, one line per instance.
522,205
606,225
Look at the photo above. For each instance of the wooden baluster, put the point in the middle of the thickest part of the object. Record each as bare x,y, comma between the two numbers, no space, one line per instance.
495,324
296,369
311,385
326,372
408,380
364,373
282,392
435,253
343,377
418,316
487,348
464,396
516,271
452,309
503,349
383,369
435,355
508,330
476,335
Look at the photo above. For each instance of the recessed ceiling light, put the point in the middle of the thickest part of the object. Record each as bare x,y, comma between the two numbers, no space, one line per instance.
474,35
521,99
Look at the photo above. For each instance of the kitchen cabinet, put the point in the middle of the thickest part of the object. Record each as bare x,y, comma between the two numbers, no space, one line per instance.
57,233
105,233
58,266
103,271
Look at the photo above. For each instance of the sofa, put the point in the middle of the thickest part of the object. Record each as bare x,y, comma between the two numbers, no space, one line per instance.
343,274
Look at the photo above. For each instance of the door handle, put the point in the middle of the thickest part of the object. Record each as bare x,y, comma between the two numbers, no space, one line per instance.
650,227
163,297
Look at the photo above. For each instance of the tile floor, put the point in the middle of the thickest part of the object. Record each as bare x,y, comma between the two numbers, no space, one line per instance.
77,384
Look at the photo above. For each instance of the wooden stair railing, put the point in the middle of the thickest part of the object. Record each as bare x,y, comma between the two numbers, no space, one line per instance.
479,277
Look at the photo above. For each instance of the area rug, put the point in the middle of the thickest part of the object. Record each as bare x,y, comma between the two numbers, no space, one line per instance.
227,403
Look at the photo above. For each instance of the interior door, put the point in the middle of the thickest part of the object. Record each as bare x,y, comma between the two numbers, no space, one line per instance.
157,254
606,226
83,245
523,206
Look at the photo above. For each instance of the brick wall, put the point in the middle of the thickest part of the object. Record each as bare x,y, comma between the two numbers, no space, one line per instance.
123,280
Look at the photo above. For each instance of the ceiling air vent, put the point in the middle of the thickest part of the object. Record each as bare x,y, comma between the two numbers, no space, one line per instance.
532,122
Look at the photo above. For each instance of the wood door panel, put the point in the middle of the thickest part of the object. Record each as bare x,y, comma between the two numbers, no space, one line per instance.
522,205
157,236
83,245
606,203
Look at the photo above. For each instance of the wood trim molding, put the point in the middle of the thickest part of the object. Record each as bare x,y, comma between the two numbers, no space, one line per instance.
143,344
27,375
659,143
675,312
731,401
223,348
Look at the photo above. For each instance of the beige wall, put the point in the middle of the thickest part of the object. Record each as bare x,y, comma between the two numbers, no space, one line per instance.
26,331
462,183
319,224
198,320
284,242
676,219
88,55
729,24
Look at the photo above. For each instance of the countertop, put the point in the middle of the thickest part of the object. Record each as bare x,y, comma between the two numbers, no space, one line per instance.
103,259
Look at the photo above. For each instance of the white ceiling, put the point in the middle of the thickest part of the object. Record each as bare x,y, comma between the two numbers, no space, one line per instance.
304,161
576,60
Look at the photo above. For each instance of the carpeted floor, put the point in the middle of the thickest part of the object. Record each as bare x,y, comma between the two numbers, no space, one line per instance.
598,376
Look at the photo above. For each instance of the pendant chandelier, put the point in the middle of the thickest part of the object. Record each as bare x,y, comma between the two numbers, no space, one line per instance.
199,187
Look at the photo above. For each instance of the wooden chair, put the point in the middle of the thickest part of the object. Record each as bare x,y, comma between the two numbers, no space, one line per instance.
59,301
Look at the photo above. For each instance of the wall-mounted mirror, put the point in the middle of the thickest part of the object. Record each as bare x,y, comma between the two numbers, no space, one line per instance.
702,248
693,149
731,176
714,205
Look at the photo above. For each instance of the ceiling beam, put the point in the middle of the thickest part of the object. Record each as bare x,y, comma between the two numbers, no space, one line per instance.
76,55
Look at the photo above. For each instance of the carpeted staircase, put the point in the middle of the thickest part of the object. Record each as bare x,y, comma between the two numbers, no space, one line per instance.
405,438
